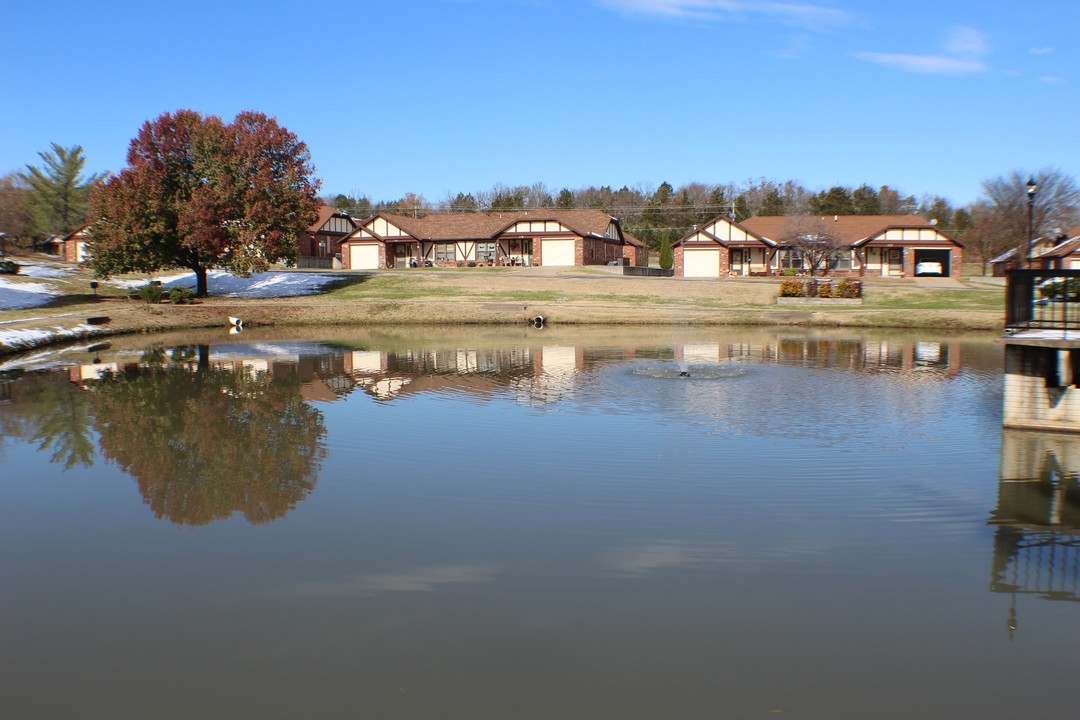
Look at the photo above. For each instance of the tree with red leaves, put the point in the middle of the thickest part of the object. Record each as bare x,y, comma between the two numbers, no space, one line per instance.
200,194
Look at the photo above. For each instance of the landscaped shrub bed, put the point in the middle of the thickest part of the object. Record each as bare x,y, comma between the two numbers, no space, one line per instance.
845,288
790,287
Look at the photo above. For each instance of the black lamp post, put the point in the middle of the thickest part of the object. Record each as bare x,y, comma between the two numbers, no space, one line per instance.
1032,186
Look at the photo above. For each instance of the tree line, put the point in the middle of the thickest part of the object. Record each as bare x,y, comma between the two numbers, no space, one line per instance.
199,193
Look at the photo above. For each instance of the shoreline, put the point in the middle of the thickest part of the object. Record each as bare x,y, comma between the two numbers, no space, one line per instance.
67,322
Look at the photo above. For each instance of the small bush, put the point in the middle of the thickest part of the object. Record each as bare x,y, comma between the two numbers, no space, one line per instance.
181,296
471,263
790,287
848,288
151,293
1060,288
789,272
9,267
824,289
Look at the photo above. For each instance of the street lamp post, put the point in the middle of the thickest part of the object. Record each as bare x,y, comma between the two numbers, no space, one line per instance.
1032,186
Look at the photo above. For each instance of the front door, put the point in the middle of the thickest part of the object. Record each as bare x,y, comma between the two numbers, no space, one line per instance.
896,261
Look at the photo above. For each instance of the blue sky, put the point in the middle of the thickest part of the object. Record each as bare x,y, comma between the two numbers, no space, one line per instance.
432,96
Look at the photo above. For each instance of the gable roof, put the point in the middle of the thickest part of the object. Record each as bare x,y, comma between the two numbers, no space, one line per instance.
849,228
84,230
325,213
703,231
489,225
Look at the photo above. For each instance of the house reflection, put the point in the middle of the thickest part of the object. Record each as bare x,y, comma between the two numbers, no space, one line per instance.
914,358
533,373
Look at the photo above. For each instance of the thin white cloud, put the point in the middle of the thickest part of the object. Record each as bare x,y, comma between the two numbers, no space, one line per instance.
1052,80
928,64
1041,50
807,15
963,52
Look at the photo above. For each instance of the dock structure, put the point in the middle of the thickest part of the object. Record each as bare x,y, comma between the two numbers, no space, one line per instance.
1037,518
1042,350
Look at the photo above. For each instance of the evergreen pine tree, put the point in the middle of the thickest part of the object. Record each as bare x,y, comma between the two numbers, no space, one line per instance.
58,194
667,259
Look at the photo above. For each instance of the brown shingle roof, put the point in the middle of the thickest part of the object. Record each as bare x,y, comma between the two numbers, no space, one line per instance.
849,228
483,226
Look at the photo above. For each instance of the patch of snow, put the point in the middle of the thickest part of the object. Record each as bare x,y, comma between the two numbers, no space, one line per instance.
15,296
271,284
38,270
16,339
166,280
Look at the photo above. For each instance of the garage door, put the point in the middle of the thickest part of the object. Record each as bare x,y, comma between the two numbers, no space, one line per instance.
557,252
364,257
701,263
931,262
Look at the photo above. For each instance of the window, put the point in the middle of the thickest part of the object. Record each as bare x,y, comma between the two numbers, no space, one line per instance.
840,261
485,252
444,251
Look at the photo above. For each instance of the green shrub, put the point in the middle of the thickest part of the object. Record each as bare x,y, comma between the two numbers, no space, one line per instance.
181,296
848,288
471,263
151,293
790,287
789,272
667,257
1060,288
9,267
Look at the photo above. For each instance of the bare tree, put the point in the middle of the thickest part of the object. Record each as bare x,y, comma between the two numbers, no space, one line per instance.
1057,201
15,217
813,239
1001,219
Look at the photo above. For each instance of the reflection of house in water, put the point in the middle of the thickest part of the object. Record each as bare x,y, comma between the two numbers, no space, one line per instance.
853,354
1037,540
541,372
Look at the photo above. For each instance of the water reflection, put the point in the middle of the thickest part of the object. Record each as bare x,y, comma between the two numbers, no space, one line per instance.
1037,517
203,439
208,431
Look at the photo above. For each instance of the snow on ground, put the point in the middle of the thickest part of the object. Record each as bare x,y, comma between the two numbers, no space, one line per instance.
260,285
16,296
34,336
39,270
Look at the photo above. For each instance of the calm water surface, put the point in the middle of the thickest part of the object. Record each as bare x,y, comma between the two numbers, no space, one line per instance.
734,524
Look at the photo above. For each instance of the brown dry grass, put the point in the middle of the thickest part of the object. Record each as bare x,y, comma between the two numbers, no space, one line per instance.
568,297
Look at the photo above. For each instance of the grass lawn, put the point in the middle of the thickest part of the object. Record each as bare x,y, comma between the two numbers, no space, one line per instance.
506,296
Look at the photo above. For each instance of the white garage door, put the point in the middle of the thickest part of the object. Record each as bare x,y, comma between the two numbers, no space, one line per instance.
364,257
557,252
701,263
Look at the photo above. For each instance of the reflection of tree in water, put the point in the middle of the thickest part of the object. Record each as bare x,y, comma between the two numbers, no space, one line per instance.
204,445
51,413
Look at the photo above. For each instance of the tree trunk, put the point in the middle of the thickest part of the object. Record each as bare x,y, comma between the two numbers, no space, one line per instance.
204,359
200,283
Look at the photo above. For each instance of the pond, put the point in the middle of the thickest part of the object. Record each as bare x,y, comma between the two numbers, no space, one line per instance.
532,523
